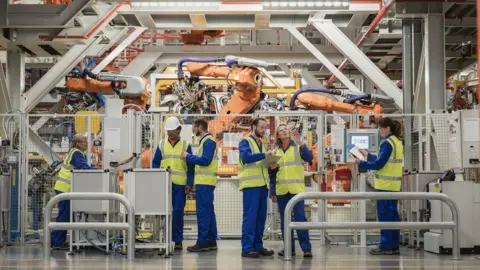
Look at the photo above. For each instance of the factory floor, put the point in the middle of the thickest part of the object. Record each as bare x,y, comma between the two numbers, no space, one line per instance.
228,257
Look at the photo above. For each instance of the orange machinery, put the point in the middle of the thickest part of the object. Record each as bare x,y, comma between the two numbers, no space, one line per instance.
133,89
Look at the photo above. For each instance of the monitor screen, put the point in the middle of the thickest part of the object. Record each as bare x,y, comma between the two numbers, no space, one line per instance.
361,141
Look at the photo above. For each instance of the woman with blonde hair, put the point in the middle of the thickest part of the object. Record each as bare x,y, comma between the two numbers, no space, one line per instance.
287,180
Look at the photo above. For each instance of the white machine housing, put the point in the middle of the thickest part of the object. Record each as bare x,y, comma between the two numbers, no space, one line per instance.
464,137
467,197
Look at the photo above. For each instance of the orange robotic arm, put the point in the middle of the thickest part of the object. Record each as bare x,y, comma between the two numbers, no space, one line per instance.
247,94
317,102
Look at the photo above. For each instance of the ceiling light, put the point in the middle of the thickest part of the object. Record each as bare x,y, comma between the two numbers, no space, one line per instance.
170,4
345,4
328,4
267,4
319,4
275,4
136,4
197,4
180,3
310,3
337,4
144,4
283,4
292,3
301,4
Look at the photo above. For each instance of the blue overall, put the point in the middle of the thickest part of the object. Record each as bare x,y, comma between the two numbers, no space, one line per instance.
254,204
387,210
179,197
79,162
299,208
206,219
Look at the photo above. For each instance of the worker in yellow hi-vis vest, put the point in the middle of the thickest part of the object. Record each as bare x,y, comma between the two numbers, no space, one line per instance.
206,166
388,178
253,180
287,179
75,159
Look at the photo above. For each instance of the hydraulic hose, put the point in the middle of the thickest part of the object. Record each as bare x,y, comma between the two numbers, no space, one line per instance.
354,99
315,90
196,60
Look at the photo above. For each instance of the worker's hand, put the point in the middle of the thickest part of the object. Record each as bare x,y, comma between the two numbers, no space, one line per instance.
364,153
270,152
297,137
357,161
184,155
274,198
273,166
188,189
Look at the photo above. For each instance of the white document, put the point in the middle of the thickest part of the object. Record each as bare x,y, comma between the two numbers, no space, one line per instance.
470,130
356,153
112,139
232,139
232,157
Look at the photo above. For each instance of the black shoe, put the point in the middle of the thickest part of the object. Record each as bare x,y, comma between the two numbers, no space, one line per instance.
199,248
396,251
265,252
307,254
250,254
178,246
212,245
381,251
282,253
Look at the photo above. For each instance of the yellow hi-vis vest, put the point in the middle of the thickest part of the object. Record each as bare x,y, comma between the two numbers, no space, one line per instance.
64,177
172,157
390,176
253,174
206,175
291,174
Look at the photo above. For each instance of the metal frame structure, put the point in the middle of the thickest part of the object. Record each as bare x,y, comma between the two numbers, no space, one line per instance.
368,225
47,225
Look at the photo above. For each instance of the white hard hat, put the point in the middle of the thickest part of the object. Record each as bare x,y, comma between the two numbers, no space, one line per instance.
172,123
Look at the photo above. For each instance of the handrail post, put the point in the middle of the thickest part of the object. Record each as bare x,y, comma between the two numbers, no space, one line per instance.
376,196
88,196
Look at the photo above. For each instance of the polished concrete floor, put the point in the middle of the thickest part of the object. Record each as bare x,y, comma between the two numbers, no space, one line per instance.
228,257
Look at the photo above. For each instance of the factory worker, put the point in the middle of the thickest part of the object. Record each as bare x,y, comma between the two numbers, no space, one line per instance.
287,180
388,178
206,166
253,179
168,154
77,160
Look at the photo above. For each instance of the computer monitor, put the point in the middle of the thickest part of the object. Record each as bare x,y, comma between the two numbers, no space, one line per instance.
361,141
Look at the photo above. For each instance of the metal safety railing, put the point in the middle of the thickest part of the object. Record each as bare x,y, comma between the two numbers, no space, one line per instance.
370,225
130,226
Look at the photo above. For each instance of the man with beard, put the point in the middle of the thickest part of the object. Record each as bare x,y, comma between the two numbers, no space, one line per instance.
206,166
253,179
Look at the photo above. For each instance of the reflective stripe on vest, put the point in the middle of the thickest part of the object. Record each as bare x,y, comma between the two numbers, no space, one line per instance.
290,175
172,157
390,177
206,175
64,177
253,174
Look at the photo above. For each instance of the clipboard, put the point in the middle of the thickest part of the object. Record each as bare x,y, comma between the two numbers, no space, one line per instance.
355,151
271,159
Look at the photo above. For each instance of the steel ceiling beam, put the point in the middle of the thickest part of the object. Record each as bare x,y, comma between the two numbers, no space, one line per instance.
141,64
124,44
55,75
359,59
42,16
323,59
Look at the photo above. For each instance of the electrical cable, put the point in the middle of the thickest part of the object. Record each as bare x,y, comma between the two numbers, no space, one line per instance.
92,243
